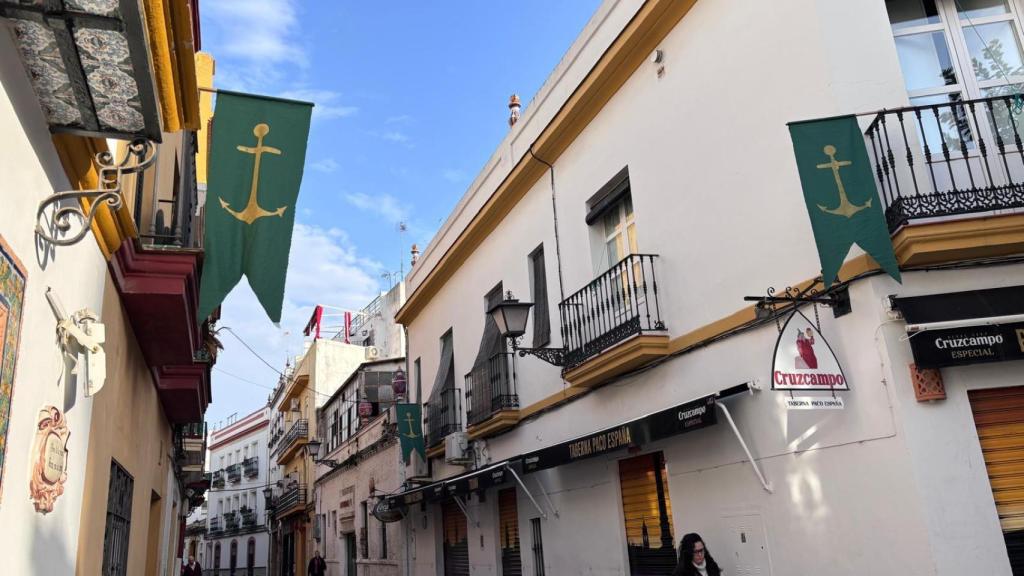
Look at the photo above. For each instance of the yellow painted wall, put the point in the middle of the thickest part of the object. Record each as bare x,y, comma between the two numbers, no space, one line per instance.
128,425
205,68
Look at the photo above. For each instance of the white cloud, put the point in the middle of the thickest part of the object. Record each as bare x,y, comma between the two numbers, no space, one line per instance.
400,119
327,165
326,106
258,31
324,268
384,205
395,136
455,175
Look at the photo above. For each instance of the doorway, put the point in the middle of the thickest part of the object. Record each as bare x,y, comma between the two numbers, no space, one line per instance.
350,554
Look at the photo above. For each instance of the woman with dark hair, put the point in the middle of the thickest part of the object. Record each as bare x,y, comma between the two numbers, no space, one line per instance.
694,558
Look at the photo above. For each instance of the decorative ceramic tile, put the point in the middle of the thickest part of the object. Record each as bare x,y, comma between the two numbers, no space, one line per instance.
42,60
12,297
101,7
108,70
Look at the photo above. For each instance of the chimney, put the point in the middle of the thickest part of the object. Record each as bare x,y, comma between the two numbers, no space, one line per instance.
513,110
415,254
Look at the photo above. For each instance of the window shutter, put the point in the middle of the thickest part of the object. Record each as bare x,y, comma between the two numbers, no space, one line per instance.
541,313
445,370
607,196
491,342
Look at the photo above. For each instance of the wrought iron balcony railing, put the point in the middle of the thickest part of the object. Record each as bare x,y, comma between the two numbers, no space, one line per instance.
491,388
218,479
618,304
251,467
230,521
215,525
248,517
298,431
234,473
166,217
949,159
444,416
290,498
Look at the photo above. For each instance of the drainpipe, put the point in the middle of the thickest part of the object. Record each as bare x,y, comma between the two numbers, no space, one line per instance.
554,214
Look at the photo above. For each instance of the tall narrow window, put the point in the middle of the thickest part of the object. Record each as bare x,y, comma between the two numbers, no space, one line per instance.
364,540
250,557
119,520
610,212
383,540
647,512
539,295
443,415
538,547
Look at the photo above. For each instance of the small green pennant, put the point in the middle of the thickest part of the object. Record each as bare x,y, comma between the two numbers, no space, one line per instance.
839,189
410,430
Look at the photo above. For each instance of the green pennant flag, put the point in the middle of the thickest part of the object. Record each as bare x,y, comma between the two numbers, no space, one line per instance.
410,431
256,160
839,189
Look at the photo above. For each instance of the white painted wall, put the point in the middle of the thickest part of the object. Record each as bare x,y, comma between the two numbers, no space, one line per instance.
34,543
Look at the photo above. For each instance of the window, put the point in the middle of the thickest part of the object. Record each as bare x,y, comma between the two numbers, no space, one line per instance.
491,342
250,557
234,557
364,544
538,547
216,558
952,50
610,214
539,295
383,540
119,519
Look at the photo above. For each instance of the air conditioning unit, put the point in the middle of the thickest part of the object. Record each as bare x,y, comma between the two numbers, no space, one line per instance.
295,405
456,449
372,353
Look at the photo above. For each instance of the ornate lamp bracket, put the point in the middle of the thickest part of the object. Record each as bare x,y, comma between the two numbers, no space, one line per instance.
553,356
109,192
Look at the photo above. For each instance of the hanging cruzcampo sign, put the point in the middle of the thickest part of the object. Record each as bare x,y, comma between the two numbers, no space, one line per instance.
803,359
410,431
839,190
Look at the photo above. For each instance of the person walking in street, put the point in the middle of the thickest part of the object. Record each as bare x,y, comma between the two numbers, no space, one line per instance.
694,558
192,568
317,565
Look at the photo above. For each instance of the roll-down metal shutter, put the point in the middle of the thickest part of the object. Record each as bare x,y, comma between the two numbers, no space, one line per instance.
508,518
999,418
456,540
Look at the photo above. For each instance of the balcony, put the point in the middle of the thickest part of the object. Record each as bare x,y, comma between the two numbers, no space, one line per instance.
215,525
937,165
444,416
249,519
231,522
251,467
218,479
293,440
291,501
234,473
493,404
613,324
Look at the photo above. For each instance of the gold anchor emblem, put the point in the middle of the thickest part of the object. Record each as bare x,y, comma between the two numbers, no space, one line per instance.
845,208
253,211
409,420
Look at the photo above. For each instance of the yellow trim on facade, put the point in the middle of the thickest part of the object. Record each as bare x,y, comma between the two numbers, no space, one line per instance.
436,451
957,240
169,25
205,69
293,391
643,33
496,424
623,357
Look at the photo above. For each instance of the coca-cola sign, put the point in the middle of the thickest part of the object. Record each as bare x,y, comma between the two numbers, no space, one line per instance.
803,359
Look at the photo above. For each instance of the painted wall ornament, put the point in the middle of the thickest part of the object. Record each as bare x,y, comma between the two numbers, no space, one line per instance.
50,453
12,298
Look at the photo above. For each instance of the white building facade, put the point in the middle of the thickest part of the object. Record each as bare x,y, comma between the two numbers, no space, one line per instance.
646,190
236,541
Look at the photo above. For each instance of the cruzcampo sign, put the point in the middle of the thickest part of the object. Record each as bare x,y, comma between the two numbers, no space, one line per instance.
840,193
803,360
256,160
410,431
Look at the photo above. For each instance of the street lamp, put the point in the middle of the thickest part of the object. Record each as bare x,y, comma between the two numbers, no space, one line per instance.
312,449
511,315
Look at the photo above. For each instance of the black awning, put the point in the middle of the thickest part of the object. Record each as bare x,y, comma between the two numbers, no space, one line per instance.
685,417
461,485
961,305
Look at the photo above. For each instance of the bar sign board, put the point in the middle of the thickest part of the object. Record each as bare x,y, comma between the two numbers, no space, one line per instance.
971,345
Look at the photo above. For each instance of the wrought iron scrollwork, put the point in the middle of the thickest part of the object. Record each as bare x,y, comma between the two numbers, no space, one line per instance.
555,356
108,192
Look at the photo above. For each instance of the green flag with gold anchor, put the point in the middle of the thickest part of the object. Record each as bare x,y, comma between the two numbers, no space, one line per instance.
410,431
256,160
839,189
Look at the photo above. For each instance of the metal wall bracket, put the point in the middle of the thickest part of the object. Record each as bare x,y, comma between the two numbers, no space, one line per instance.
67,204
838,299
753,463
465,511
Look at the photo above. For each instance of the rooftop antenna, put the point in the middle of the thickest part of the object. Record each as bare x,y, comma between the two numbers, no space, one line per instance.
402,229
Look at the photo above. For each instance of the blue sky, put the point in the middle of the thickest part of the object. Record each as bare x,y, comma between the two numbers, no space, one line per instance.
411,99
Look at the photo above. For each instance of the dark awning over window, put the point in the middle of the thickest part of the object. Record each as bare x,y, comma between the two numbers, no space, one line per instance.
608,195
962,305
